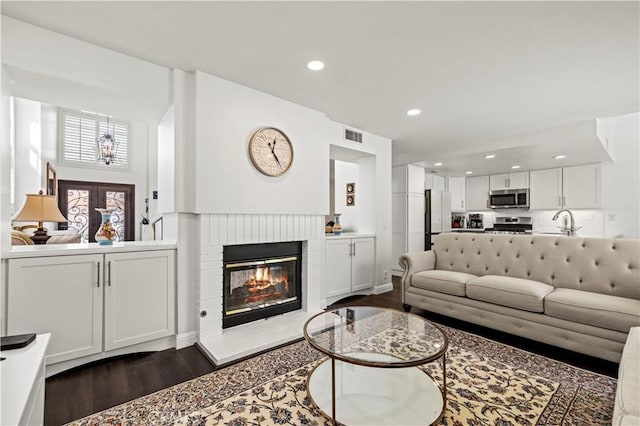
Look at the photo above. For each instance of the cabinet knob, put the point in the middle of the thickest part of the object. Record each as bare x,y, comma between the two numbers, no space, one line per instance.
203,314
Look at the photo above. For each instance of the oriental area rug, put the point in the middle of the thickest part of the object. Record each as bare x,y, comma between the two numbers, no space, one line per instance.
488,383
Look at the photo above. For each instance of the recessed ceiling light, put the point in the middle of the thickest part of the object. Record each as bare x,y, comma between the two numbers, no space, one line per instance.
490,156
437,164
559,157
413,112
315,65
468,172
515,167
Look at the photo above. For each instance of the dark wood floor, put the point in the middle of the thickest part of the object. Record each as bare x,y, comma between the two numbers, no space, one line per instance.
96,387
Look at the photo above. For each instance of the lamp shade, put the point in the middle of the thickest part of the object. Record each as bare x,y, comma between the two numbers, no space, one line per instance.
39,208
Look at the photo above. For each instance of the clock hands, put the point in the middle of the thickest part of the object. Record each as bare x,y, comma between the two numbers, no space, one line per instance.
273,147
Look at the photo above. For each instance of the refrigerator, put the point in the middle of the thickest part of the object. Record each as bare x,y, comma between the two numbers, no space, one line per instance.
437,217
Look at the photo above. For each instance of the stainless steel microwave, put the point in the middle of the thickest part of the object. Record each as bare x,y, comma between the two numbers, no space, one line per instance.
509,199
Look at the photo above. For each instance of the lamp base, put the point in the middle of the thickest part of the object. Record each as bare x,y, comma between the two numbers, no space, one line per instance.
40,236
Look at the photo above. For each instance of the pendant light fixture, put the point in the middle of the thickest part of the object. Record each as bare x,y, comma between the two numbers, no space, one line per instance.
107,146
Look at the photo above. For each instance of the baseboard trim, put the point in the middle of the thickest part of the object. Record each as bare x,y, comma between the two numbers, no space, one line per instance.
383,288
184,340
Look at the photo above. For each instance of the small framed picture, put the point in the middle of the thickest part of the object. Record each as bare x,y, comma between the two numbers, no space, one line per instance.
351,188
351,200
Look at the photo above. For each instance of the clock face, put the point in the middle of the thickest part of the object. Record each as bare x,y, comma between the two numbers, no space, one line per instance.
271,151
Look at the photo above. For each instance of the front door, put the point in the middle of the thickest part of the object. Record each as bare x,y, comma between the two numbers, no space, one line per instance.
78,200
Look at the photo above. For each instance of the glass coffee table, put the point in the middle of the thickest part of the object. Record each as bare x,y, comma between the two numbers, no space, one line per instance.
370,376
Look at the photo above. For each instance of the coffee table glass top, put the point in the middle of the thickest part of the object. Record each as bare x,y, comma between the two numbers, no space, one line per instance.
374,336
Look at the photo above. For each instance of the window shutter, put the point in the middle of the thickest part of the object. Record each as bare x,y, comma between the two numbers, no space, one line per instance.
80,131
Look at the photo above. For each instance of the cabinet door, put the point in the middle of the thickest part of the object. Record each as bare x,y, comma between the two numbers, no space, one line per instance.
438,183
477,193
498,182
519,180
337,267
546,189
582,187
139,301
415,176
362,261
457,190
61,295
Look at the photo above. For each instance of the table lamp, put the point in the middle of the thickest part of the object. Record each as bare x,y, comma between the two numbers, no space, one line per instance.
39,208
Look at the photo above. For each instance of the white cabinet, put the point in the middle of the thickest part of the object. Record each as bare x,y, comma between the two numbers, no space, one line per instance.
582,187
546,189
457,191
337,267
578,187
415,222
518,180
92,303
349,265
139,297
61,295
434,182
477,193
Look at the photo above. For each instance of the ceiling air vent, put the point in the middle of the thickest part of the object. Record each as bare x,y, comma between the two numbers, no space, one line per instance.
352,135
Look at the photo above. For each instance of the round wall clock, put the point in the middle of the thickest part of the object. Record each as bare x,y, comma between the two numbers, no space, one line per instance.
271,151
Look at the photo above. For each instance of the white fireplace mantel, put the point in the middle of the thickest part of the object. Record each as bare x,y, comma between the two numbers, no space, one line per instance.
219,230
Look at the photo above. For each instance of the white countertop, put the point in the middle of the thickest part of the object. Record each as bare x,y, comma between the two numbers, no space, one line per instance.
85,248
348,235
18,376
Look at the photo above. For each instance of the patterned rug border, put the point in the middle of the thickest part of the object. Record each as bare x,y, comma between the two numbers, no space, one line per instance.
239,381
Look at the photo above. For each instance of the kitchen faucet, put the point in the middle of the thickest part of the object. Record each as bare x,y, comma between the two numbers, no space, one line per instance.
571,230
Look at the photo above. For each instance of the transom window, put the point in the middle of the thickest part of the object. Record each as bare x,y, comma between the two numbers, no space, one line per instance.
79,132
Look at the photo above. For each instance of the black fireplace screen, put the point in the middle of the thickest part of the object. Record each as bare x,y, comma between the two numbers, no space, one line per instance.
260,280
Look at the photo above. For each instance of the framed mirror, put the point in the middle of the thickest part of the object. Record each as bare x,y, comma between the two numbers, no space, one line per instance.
52,180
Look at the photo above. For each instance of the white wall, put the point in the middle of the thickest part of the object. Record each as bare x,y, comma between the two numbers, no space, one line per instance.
622,180
346,172
227,182
166,163
27,150
5,165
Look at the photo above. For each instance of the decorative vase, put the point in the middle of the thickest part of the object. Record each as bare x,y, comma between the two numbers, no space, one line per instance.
337,228
107,233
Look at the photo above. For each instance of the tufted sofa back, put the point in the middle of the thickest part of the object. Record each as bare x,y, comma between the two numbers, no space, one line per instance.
597,265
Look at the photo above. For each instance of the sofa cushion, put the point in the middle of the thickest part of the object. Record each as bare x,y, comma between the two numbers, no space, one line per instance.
600,310
627,406
515,293
449,282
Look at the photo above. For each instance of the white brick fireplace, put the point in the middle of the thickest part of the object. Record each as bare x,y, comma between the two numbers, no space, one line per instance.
219,230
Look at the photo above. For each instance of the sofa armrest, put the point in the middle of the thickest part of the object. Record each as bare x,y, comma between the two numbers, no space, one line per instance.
415,262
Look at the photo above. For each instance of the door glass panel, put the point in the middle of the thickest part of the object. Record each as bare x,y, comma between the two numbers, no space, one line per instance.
78,212
116,200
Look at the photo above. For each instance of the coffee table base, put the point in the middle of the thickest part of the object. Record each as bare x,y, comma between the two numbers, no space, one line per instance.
380,396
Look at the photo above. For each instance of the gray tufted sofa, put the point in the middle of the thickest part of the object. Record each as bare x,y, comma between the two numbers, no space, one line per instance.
581,294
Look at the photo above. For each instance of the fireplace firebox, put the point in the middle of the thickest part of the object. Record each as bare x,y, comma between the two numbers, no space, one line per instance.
261,280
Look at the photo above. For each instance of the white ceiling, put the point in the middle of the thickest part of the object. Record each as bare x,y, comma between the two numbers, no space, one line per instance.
479,71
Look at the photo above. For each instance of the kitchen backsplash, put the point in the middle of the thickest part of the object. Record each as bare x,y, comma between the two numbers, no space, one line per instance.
591,221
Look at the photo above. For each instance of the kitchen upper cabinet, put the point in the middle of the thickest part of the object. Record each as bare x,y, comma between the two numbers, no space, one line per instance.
434,182
415,179
545,192
61,295
582,187
503,181
477,193
578,187
457,189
